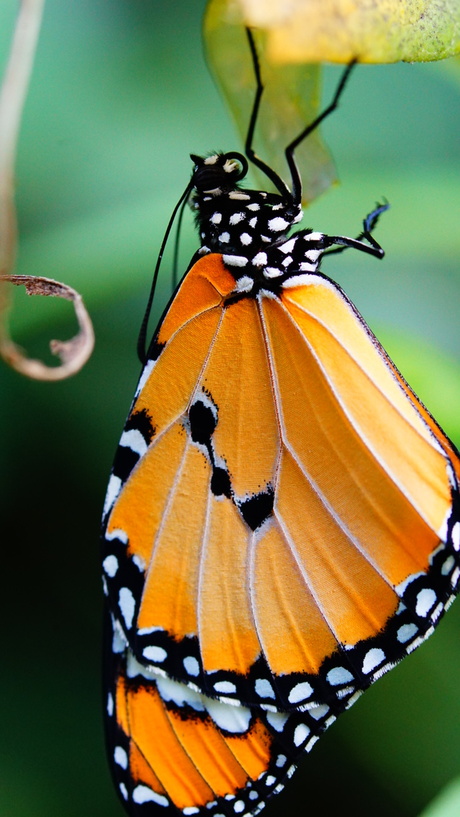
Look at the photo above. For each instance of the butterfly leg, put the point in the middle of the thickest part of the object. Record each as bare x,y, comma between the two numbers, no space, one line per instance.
359,243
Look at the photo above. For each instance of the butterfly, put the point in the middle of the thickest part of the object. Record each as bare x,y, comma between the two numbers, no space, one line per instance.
282,521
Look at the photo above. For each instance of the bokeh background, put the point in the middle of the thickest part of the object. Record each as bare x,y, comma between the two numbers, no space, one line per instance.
119,97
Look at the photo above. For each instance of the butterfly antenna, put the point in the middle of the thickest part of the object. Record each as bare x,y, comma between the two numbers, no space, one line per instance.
176,245
141,341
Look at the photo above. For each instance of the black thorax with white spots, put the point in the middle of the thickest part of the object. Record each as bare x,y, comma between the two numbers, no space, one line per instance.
250,227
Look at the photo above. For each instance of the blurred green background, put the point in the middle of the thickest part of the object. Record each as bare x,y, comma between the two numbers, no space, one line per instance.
120,96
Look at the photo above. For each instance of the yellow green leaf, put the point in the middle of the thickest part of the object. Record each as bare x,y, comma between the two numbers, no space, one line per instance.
366,30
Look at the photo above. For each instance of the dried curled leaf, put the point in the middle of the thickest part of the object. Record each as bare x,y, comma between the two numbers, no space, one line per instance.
367,30
73,353
290,100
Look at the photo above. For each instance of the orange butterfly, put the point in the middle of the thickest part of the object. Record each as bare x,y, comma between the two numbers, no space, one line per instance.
282,521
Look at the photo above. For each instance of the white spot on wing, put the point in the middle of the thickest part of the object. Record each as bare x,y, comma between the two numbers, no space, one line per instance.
118,640
448,565
148,630
143,794
312,255
180,694
120,757
245,239
127,605
153,653
301,733
216,218
140,564
300,692
113,489
224,237
110,565
426,599
134,440
456,536
338,676
372,659
401,587
224,686
264,688
406,632
277,720
234,719
117,533
318,712
145,376
191,665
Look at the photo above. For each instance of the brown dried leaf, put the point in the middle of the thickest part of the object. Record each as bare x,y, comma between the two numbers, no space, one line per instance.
73,353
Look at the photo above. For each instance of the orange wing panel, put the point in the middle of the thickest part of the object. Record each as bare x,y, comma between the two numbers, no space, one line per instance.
326,304
204,744
385,418
151,730
355,601
292,630
338,462
141,504
252,750
204,287
184,755
166,398
238,378
141,771
171,589
227,636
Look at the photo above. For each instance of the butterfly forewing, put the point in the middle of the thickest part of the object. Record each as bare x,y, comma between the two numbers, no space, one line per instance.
288,504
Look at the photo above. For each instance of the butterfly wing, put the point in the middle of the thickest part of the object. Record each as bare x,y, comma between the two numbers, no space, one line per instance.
173,748
282,520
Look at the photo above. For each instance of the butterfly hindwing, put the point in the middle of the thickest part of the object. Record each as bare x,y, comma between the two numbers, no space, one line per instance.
173,748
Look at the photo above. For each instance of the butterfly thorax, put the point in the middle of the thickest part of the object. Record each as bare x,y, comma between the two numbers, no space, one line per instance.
250,228
233,220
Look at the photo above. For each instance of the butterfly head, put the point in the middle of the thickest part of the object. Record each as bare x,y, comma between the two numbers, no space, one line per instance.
219,173
232,219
